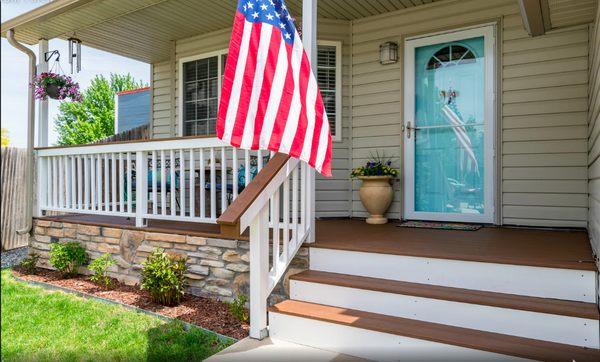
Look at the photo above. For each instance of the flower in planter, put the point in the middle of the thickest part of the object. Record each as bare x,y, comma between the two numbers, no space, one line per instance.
376,166
55,86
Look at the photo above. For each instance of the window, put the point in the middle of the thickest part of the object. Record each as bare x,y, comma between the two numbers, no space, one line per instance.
201,87
450,56
329,80
200,92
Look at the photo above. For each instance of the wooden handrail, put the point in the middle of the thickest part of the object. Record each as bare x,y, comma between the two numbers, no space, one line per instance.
230,219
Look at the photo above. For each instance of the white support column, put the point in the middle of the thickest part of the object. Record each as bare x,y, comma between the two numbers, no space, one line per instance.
42,111
309,39
259,273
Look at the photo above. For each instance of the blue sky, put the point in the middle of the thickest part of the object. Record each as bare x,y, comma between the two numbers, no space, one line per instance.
14,74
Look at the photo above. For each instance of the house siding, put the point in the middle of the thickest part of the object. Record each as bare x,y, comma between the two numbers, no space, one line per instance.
332,194
594,136
542,112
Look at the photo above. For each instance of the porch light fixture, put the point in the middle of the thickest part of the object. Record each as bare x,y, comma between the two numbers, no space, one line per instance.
388,53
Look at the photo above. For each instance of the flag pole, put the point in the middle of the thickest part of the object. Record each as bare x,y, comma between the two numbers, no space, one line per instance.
309,39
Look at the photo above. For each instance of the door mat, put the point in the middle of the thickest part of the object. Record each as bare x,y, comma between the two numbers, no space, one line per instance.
440,225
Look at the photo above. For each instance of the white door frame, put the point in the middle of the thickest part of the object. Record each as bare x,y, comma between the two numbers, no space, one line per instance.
488,32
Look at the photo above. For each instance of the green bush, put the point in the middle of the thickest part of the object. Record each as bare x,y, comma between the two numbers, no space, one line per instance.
67,257
238,308
100,268
163,276
30,262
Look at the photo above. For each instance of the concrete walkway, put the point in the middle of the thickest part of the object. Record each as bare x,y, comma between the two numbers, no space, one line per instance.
249,350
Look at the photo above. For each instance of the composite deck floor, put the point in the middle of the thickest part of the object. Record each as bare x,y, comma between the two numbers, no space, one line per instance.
568,249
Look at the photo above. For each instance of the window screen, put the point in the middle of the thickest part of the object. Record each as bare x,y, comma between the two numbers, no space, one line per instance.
327,69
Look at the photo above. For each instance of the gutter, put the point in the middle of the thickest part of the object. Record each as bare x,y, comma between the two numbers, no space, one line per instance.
10,36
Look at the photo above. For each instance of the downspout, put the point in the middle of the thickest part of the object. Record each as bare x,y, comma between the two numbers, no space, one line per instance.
10,36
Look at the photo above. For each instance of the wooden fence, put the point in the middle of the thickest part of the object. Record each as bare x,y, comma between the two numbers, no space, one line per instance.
13,166
137,133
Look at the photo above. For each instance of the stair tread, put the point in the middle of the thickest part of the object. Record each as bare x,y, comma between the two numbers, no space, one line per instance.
463,337
494,299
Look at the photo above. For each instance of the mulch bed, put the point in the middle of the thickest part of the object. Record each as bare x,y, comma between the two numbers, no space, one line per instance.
204,312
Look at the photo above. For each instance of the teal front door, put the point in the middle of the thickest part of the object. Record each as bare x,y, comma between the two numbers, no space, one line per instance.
449,118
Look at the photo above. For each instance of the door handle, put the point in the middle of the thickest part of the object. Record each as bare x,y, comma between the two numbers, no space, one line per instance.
409,128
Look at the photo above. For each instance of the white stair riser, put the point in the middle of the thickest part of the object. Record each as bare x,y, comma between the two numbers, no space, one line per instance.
369,344
556,283
547,327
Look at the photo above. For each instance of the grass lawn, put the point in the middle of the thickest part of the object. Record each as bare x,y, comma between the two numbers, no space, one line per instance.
38,325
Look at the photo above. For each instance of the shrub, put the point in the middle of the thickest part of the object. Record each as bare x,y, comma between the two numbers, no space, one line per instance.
163,276
100,268
67,257
30,262
238,308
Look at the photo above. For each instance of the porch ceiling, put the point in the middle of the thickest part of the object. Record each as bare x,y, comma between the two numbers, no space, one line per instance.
144,29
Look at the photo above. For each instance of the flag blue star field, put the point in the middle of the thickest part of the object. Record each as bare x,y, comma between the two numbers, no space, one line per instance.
270,99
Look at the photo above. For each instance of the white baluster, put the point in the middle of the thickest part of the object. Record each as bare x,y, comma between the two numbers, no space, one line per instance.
247,168
172,181
121,183
141,194
93,182
276,237
129,182
106,183
61,182
86,182
113,183
259,273
202,185
154,193
50,184
234,169
295,191
181,183
286,217
163,183
223,180
192,184
213,186
99,182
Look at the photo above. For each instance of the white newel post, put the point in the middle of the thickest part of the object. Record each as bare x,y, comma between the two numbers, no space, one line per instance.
309,39
42,129
141,187
259,273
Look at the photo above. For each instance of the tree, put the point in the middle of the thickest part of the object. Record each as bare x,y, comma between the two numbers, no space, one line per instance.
5,138
94,117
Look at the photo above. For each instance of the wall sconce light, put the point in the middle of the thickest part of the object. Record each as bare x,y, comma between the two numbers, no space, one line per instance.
388,53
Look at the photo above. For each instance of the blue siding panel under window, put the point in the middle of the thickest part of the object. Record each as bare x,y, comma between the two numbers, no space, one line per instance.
133,110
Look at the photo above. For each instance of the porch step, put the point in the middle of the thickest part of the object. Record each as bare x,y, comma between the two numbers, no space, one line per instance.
561,321
381,337
497,277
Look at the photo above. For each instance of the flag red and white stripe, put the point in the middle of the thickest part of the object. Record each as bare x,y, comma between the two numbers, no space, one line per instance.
270,99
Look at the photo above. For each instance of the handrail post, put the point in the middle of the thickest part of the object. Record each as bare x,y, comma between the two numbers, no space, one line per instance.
259,273
141,188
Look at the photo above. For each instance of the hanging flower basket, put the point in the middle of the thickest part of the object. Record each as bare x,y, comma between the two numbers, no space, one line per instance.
55,86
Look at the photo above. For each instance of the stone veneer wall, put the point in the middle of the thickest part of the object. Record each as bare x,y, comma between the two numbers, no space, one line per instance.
216,267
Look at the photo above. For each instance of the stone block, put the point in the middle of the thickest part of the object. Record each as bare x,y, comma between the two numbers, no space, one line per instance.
169,238
112,240
195,240
185,247
108,248
218,290
241,284
222,243
43,223
88,230
145,248
231,256
55,224
197,283
194,276
197,269
160,244
217,282
39,230
112,232
213,263
221,273
40,246
246,257
58,233
70,233
210,250
42,238
238,267
69,225
203,255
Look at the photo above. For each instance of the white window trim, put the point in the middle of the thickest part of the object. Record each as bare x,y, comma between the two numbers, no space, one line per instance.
338,86
219,54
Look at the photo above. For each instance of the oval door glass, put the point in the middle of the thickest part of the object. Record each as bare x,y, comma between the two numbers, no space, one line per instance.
449,134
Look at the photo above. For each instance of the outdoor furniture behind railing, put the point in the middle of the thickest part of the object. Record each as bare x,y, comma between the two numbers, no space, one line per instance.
98,179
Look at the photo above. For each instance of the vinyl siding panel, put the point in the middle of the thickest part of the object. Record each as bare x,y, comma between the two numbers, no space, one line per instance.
594,137
543,107
333,195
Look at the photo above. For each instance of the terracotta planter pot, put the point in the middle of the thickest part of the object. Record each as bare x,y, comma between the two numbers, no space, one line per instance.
376,194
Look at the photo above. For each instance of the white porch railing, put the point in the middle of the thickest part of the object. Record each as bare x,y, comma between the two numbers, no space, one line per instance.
278,216
187,179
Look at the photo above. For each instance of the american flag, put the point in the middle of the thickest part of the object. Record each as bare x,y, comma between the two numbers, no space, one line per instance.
270,99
